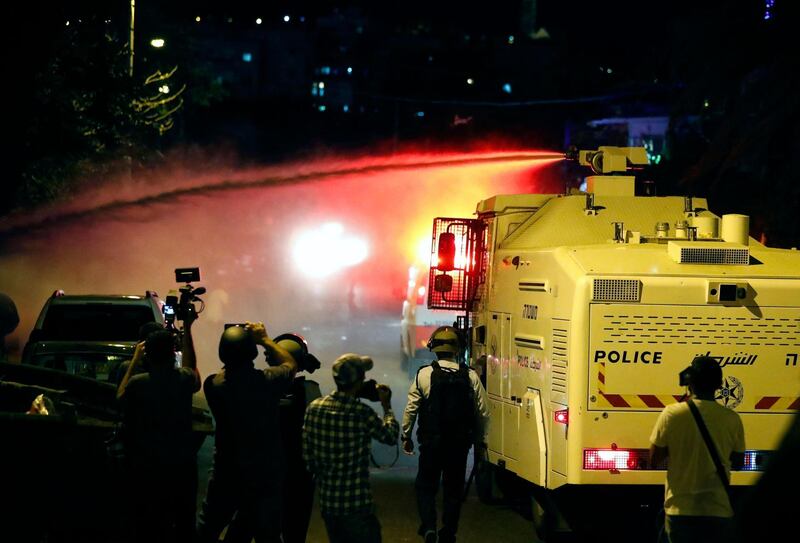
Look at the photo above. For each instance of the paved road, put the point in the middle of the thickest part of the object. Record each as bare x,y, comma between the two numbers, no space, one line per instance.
379,336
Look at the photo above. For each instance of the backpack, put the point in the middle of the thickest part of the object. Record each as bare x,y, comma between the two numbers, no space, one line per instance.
448,413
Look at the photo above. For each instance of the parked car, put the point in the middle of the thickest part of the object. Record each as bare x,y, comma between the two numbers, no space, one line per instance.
89,335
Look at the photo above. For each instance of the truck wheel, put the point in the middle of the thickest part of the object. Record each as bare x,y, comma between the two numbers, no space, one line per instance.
484,482
550,526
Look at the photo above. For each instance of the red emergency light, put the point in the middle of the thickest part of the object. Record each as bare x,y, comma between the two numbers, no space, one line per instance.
561,416
457,265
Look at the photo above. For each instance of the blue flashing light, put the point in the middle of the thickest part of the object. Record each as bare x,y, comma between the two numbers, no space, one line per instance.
247,57
325,70
349,69
345,108
507,88
322,108
420,113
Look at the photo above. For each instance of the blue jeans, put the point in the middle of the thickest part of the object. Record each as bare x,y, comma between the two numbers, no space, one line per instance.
686,529
353,528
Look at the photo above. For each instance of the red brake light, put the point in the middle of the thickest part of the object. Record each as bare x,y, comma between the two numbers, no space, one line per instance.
562,416
615,459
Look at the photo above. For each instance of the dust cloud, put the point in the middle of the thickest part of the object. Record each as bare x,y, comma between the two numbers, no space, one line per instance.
239,227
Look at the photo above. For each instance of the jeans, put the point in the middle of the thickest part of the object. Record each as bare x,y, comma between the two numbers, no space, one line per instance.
354,528
686,529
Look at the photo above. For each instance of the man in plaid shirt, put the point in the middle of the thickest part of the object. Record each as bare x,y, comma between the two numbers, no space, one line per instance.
337,437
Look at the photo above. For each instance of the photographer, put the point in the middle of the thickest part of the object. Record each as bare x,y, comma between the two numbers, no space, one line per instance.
298,497
157,434
118,373
247,477
336,444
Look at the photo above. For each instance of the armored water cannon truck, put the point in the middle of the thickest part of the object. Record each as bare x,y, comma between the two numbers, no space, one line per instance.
587,306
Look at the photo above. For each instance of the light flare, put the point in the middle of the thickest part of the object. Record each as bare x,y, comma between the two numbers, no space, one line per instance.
327,250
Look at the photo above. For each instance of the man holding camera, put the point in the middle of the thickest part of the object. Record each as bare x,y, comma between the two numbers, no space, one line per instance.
247,477
337,438
157,434
696,503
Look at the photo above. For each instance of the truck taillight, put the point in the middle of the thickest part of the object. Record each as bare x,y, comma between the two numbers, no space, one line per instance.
615,459
561,416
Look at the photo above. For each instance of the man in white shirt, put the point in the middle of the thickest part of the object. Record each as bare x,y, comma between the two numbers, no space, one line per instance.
696,503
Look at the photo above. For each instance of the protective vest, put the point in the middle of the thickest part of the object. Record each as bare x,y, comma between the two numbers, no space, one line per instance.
447,415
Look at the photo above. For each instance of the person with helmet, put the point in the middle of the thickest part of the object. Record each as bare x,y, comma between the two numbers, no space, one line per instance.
337,433
298,495
696,501
452,408
247,474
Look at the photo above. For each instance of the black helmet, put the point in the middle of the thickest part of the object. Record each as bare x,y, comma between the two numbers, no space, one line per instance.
237,346
296,346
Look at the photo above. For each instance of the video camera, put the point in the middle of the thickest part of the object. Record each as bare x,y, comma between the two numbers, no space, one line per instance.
178,306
